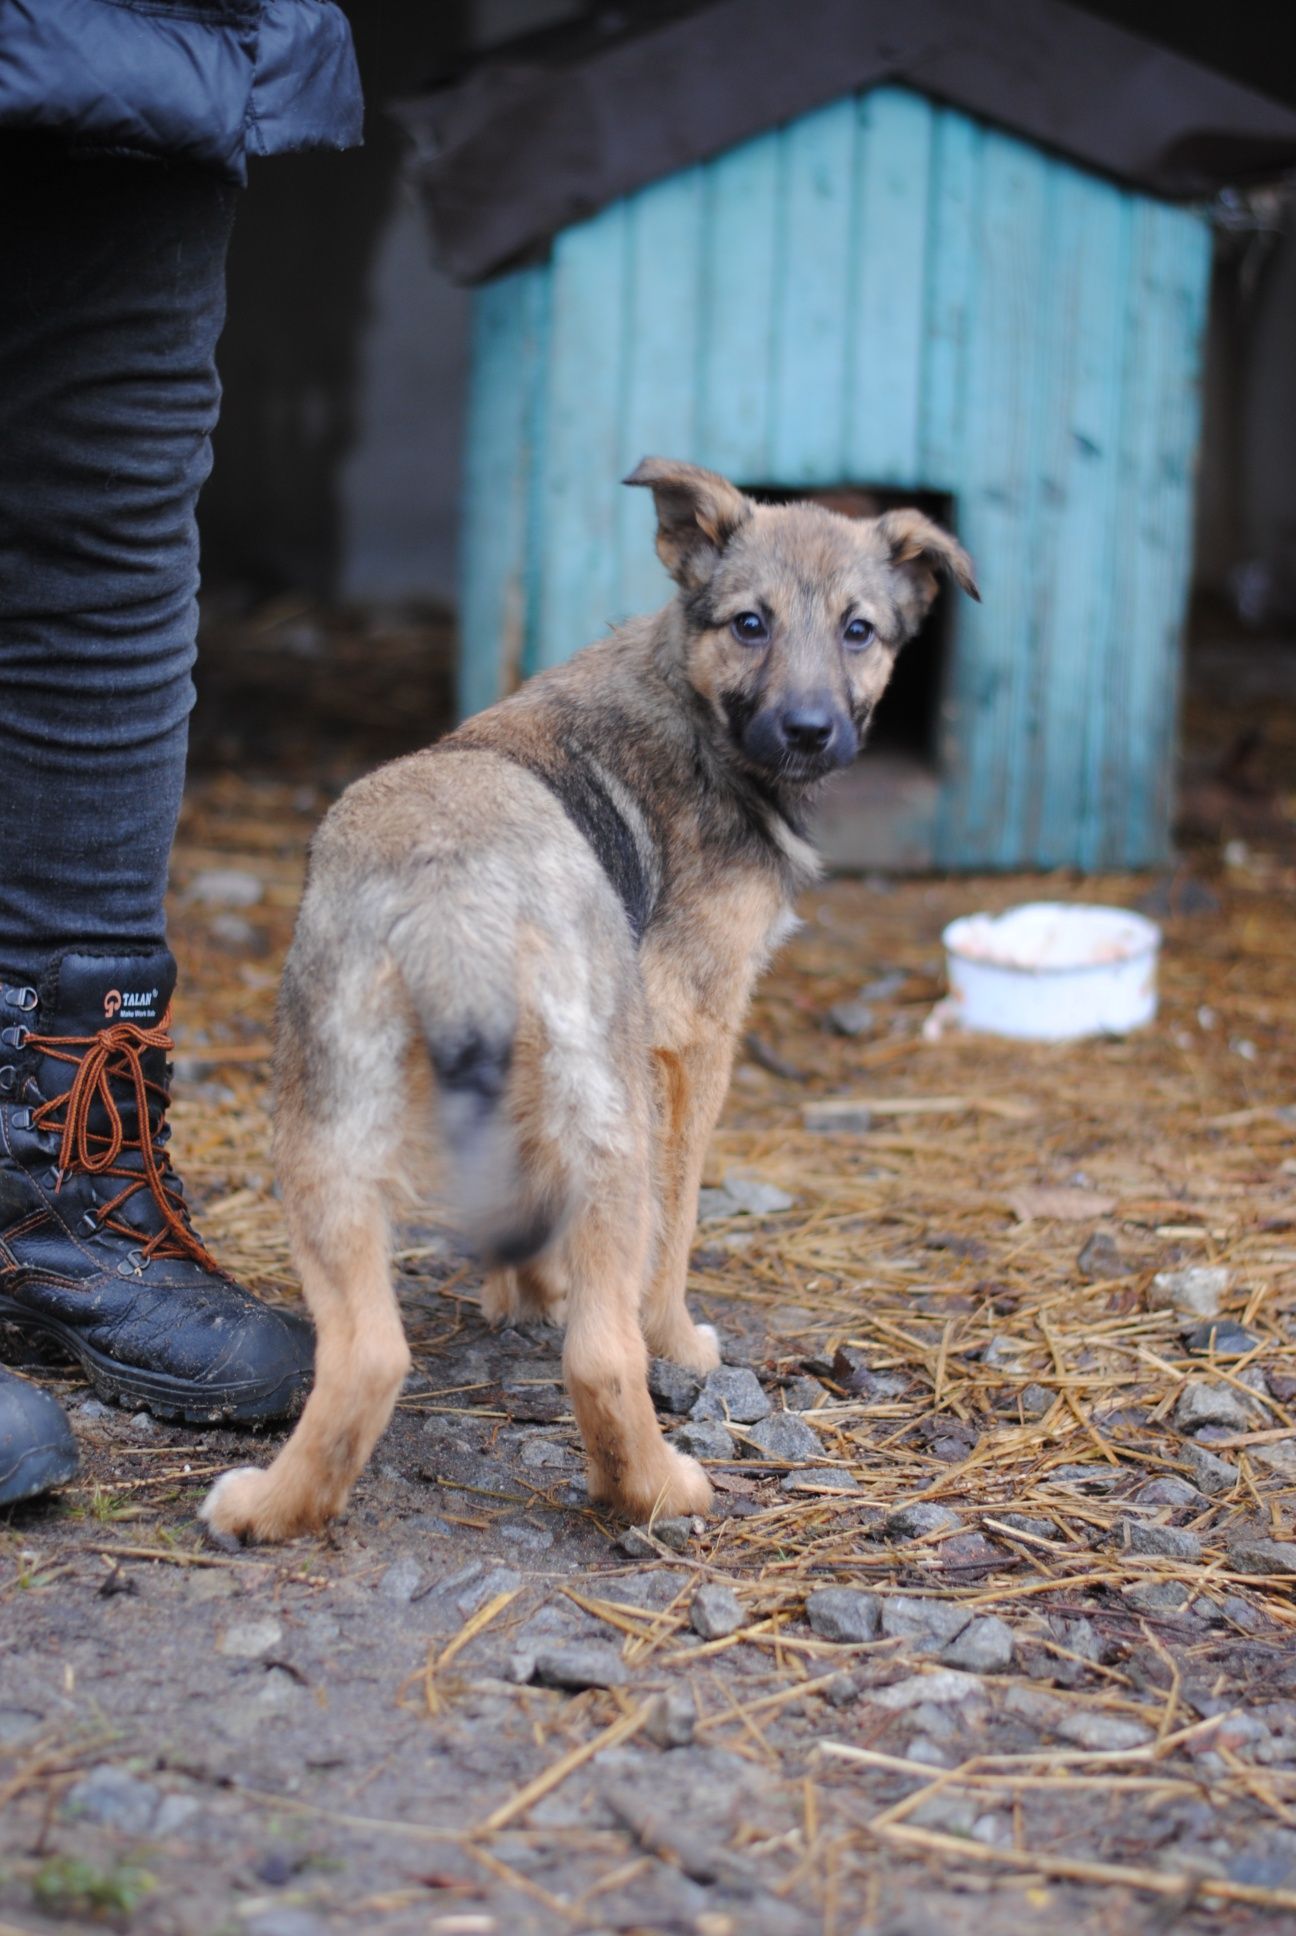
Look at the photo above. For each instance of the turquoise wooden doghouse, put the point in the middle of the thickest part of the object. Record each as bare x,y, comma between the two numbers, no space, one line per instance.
883,294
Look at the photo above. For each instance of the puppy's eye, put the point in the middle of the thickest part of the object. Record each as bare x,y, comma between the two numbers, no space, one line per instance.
749,628
859,633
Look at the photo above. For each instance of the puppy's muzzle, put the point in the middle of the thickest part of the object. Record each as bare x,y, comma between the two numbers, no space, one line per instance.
801,738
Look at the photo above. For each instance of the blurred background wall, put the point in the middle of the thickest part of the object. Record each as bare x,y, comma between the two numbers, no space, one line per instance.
344,356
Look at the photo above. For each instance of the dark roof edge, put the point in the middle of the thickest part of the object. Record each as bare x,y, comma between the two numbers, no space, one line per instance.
545,133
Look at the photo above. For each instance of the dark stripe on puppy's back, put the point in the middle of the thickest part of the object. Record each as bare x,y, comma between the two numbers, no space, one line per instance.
580,792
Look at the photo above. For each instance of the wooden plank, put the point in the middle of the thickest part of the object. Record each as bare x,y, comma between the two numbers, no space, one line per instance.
740,275
954,203
660,397
508,326
883,379
1170,272
573,547
1079,490
982,821
811,319
950,293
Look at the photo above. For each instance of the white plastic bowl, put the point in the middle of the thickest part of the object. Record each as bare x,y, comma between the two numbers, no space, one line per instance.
1049,972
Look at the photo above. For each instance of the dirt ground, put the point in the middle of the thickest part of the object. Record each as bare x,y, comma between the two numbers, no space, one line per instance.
992,1628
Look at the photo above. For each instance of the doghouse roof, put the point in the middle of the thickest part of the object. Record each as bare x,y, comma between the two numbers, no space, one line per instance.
546,131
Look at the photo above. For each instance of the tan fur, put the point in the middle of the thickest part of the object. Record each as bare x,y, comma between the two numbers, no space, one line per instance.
522,961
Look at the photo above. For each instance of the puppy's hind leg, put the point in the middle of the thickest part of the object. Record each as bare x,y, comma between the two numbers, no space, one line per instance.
606,1362
338,1226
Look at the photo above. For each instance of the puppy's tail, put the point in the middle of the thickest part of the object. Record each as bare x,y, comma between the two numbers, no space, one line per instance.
504,1213
506,1209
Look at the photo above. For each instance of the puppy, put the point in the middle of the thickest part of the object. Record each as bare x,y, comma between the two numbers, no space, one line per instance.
522,961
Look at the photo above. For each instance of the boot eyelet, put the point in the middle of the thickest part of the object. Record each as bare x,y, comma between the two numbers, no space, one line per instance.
90,1222
134,1264
24,998
14,1038
8,1079
21,1119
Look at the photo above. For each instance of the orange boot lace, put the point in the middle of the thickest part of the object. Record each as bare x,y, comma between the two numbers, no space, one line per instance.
114,1055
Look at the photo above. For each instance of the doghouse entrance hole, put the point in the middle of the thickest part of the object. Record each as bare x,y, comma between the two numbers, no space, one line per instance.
907,722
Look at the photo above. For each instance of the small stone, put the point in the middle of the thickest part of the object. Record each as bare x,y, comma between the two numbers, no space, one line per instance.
114,1799
674,1387
1086,1478
757,1198
674,1533
1264,1555
1036,1401
484,1586
174,1813
588,1663
401,1581
930,1753
1279,1457
1028,1523
547,1455
1100,1259
932,1623
717,1206
843,1614
1157,1596
239,935
224,887
286,1922
819,1479
250,1639
1002,1353
144,1424
638,1543
1211,1474
731,1392
704,1439
803,1395
93,1408
1203,1404
671,1718
1221,1338
785,1436
913,1522
716,1611
1170,1542
985,1646
1169,1490
520,1533
851,1017
945,1687
1197,1291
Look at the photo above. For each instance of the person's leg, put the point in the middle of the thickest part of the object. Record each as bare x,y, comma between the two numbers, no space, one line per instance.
111,302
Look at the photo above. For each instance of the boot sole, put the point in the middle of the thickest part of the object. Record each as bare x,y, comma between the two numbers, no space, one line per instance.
155,1391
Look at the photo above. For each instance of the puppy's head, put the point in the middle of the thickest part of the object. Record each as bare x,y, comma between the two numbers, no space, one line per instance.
793,615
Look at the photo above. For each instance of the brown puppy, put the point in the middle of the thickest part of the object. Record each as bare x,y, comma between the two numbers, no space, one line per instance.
522,960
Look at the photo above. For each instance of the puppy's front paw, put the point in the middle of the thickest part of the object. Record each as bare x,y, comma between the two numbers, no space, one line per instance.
230,1510
247,1508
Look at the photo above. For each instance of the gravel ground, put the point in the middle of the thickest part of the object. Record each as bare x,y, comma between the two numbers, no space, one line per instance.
991,1630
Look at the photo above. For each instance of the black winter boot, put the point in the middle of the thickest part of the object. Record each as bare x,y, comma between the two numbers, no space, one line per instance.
37,1449
96,1248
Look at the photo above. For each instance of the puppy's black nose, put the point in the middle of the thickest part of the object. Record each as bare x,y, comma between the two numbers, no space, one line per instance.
806,729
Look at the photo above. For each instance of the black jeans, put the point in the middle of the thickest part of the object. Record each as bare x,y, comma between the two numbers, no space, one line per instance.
112,296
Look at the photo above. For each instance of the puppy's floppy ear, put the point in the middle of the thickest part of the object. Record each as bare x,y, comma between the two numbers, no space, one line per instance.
915,542
697,513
